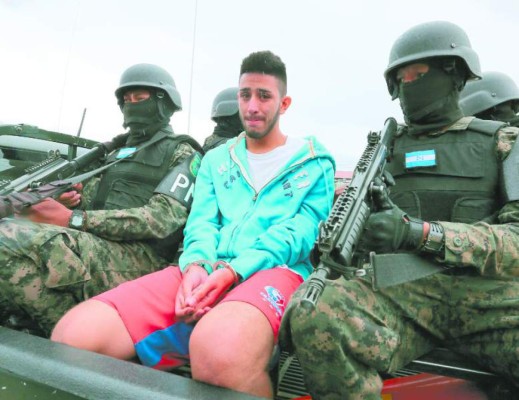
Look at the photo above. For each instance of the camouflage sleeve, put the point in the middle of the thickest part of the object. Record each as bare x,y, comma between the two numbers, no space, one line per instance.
89,191
158,219
491,248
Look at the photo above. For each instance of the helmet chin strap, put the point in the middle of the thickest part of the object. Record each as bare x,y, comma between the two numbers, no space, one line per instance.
165,111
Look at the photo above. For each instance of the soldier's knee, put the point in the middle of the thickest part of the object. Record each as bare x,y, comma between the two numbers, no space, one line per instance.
300,326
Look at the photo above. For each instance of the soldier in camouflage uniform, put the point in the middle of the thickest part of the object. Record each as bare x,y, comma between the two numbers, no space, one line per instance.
495,96
225,113
127,222
452,208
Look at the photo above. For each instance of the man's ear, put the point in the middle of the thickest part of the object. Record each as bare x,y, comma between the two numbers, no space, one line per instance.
285,103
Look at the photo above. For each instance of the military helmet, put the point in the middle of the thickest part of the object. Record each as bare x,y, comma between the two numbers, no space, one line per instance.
432,39
494,88
148,75
225,103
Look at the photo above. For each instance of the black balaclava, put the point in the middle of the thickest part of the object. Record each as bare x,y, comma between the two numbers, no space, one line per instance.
430,102
147,117
505,112
228,127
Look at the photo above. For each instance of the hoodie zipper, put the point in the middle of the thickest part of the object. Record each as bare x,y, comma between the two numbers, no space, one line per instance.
256,194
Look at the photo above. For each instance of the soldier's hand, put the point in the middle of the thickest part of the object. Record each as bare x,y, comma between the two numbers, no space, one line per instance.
390,230
71,198
49,211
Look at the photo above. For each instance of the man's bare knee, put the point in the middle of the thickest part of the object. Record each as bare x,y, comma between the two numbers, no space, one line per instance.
69,328
94,326
231,347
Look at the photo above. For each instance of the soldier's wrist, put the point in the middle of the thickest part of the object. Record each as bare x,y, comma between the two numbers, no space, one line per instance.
415,234
78,220
434,242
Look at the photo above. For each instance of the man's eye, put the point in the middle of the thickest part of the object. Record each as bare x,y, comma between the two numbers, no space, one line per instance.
264,95
245,95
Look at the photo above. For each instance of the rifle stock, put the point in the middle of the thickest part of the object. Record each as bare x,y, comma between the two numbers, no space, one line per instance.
340,233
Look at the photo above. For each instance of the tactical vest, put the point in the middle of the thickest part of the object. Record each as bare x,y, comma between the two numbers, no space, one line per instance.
131,182
450,177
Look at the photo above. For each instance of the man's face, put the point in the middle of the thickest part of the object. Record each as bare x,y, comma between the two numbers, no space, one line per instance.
135,95
260,103
411,72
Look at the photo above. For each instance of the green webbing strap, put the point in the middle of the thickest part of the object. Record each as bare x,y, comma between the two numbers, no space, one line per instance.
394,269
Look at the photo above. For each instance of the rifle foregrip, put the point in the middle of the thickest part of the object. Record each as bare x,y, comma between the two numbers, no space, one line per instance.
315,287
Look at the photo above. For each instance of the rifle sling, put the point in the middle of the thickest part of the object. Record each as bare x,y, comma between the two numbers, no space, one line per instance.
79,178
63,185
394,269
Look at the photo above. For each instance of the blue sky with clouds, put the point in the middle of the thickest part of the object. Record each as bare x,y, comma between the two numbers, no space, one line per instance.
61,56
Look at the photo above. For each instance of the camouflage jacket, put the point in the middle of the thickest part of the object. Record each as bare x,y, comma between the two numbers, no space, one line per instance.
158,219
491,248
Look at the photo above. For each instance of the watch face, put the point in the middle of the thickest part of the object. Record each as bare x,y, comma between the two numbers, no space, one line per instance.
76,221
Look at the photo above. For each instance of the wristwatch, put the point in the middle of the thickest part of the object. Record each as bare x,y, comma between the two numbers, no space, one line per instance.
77,220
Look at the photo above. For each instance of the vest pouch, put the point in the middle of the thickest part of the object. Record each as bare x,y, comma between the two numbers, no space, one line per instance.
472,209
126,194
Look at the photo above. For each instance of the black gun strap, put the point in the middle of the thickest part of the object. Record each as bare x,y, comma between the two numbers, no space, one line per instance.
79,178
394,269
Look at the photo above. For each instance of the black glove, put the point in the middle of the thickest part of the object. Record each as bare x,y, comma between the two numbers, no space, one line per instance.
390,230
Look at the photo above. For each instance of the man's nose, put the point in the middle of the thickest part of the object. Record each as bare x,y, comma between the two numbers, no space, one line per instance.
252,105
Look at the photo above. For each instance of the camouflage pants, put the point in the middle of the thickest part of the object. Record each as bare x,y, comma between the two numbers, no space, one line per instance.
47,269
355,331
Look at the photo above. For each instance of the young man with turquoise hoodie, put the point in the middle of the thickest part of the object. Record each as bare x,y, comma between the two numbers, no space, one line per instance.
258,200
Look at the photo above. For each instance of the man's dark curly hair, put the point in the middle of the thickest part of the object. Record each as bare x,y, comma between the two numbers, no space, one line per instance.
266,62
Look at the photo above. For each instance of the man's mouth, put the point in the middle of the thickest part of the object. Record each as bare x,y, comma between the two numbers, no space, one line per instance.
252,122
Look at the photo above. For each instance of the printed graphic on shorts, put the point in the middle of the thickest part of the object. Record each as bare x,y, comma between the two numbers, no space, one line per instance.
275,299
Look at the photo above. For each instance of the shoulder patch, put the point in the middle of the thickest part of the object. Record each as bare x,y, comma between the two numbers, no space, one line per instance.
179,183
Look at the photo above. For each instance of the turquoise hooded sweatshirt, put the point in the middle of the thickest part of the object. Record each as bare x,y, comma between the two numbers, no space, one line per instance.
251,230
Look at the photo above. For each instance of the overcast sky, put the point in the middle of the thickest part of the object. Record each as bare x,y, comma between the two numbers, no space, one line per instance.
59,57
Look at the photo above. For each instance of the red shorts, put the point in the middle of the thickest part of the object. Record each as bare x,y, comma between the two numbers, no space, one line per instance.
147,307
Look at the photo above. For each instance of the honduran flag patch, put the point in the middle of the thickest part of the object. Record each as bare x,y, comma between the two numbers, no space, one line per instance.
126,152
422,158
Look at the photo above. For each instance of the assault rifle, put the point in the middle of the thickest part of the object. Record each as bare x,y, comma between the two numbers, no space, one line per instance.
339,236
48,179
340,233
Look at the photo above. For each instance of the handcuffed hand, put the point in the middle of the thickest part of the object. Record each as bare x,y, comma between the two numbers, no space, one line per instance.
390,230
199,292
207,295
192,278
